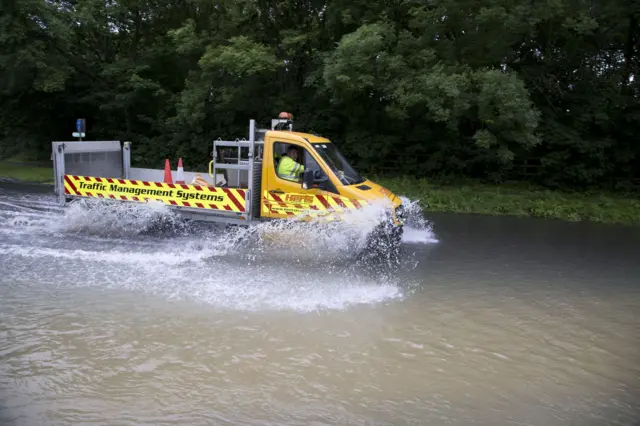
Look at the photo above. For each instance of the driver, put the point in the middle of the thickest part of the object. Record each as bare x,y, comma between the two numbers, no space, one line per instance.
288,168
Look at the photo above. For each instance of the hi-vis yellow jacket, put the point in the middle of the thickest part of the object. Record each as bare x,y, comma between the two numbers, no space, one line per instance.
289,169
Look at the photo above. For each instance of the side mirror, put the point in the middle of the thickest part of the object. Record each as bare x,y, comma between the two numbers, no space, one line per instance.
307,179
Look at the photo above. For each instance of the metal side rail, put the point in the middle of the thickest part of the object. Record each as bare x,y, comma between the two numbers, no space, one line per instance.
241,165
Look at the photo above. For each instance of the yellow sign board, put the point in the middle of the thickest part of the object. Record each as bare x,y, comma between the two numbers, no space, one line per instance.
194,196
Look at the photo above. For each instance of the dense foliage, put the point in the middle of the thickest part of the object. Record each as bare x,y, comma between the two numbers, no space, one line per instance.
422,88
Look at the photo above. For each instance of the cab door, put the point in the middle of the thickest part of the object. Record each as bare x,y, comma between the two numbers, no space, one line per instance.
283,198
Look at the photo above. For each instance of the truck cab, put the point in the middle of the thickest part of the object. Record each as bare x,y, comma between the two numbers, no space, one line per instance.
328,178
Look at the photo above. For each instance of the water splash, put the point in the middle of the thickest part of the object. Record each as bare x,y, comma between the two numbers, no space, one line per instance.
112,218
318,239
315,240
417,229
147,248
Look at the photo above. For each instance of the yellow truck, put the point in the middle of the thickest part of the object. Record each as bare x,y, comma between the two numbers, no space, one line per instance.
246,181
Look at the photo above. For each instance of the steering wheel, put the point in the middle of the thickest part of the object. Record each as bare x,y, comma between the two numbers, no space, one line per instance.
317,176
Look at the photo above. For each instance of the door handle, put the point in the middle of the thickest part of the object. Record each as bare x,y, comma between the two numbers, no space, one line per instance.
276,191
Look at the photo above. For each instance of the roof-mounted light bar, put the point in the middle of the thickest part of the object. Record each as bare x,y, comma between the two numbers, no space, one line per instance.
284,121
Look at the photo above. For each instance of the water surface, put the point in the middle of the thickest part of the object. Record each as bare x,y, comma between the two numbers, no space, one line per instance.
104,321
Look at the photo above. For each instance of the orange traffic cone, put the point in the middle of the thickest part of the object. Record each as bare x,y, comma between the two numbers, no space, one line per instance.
167,172
180,176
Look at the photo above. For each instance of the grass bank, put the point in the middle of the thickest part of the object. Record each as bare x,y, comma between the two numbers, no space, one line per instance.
518,200
26,172
461,197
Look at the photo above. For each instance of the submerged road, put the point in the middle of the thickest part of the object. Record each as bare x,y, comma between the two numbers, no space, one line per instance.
489,321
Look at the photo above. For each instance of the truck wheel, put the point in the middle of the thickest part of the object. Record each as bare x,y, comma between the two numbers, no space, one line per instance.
383,246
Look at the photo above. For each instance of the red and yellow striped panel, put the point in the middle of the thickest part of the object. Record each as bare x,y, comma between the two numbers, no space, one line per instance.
194,196
293,204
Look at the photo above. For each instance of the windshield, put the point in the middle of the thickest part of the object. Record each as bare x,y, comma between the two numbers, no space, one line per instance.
339,164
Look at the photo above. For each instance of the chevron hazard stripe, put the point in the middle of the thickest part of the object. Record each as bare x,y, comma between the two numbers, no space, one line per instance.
293,204
194,196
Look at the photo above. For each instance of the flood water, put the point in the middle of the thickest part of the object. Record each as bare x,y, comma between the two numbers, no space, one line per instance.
488,321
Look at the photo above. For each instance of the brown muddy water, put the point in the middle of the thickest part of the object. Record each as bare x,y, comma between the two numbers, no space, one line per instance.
487,321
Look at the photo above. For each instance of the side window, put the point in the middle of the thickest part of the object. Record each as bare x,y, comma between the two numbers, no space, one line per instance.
279,150
279,153
303,158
